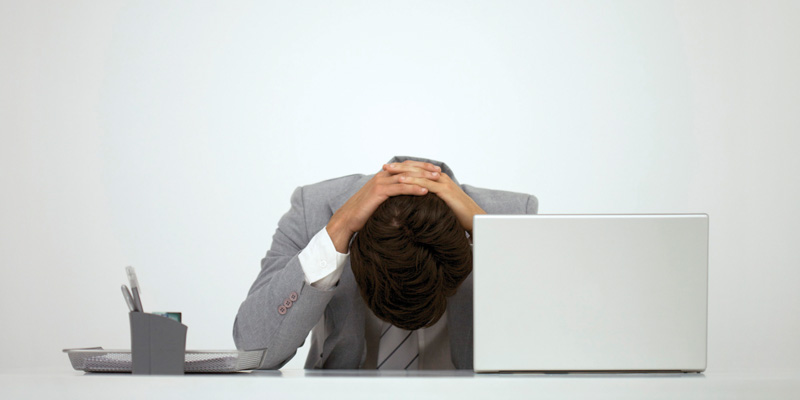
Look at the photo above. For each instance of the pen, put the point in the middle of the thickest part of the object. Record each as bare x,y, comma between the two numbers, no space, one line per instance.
128,299
137,300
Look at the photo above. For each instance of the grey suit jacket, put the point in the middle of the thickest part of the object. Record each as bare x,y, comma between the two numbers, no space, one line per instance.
281,308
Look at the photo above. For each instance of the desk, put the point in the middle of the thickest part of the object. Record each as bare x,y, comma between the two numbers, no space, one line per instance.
298,384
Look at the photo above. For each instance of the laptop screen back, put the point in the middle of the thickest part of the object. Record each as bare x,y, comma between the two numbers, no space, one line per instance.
590,292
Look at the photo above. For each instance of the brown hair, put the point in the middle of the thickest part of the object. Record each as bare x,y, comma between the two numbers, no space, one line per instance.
410,256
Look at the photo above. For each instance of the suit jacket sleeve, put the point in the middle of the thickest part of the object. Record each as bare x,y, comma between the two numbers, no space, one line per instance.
281,307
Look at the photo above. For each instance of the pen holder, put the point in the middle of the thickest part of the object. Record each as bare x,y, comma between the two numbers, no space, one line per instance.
158,345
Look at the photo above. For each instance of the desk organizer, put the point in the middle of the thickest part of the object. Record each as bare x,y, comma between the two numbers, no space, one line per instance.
158,344
158,347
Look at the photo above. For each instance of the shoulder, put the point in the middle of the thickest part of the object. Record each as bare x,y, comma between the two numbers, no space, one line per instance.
331,187
501,201
318,201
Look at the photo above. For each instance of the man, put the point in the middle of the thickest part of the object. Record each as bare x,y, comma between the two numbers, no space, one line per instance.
306,283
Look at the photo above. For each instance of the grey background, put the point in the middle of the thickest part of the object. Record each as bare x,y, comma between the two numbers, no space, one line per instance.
170,135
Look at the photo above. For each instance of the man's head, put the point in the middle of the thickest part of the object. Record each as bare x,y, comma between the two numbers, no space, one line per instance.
410,256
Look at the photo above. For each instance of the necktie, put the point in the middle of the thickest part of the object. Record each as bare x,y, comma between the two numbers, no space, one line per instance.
398,349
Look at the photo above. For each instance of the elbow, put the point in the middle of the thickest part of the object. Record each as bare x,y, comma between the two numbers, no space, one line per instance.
238,339
532,205
246,335
269,360
249,340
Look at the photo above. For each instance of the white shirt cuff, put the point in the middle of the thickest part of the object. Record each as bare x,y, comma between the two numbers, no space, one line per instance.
320,261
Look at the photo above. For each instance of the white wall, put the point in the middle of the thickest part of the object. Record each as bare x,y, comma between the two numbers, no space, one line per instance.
169,136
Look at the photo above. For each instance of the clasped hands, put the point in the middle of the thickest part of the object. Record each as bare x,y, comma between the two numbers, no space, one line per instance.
406,178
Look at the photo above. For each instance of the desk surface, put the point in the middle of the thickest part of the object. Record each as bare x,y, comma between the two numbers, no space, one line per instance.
67,384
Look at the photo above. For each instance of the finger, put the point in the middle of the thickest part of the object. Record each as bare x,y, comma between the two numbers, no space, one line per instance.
432,186
433,176
425,165
387,179
413,171
381,173
401,189
387,185
405,178
409,164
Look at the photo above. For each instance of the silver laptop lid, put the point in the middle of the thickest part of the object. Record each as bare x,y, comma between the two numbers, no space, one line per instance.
590,292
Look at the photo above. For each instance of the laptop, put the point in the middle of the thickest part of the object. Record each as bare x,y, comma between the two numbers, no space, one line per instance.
590,293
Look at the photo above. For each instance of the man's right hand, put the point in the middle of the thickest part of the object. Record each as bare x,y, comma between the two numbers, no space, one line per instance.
352,216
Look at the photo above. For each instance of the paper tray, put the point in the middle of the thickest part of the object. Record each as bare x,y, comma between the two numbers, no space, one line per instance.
97,359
